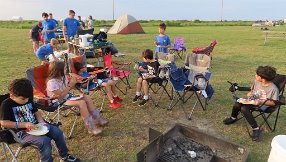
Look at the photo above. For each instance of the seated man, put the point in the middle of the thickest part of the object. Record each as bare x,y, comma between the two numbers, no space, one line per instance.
148,73
19,112
262,90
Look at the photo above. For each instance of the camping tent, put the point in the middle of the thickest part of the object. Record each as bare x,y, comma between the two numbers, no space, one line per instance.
17,18
126,24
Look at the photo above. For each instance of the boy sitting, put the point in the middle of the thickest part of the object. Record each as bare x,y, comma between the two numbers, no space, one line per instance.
109,85
148,74
262,90
19,112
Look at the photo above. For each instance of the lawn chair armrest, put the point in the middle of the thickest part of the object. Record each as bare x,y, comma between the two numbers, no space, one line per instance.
125,64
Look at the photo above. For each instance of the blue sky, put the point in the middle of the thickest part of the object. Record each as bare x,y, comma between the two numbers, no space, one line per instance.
148,9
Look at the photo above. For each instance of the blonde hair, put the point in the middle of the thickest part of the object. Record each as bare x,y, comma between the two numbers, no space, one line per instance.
54,41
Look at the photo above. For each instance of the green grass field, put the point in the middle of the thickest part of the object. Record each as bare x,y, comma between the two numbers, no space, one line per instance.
239,51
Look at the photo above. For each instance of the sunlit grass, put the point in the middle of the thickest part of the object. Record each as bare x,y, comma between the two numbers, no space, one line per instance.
238,52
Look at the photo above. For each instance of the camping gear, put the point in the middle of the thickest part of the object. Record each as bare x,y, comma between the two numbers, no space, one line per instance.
278,149
179,47
126,24
205,50
174,145
279,81
85,40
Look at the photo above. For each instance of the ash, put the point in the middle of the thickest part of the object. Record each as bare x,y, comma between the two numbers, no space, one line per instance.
177,149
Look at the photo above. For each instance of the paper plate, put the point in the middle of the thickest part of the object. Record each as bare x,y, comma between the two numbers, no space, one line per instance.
75,98
245,101
42,130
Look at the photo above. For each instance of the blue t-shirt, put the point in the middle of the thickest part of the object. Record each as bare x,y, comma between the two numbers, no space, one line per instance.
48,25
44,51
55,21
162,41
72,26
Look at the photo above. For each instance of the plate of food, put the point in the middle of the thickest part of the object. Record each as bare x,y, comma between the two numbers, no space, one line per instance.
41,129
74,98
246,101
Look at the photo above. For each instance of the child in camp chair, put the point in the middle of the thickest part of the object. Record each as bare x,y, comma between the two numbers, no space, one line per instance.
58,85
148,73
109,85
19,112
262,90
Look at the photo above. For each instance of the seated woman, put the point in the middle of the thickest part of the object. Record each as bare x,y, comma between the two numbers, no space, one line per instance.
109,85
58,86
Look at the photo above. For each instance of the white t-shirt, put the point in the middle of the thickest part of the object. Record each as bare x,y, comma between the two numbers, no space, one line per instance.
56,84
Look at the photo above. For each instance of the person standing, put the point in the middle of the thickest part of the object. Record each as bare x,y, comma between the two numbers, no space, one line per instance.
51,18
35,35
81,22
49,28
70,28
90,23
162,41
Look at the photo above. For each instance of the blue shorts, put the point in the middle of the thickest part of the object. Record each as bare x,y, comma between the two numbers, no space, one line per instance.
93,85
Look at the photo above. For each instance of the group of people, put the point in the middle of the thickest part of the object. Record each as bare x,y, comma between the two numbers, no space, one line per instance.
19,111
45,30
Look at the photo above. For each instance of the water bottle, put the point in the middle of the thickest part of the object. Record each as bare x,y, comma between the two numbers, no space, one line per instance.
256,95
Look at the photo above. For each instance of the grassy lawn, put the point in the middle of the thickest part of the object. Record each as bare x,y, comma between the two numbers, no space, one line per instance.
238,53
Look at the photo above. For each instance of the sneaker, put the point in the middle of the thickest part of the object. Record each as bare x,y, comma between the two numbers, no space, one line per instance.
114,105
257,134
95,131
135,99
229,121
143,102
70,158
101,121
117,99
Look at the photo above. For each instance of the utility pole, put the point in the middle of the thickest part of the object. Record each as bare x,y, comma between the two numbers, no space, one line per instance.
113,10
221,11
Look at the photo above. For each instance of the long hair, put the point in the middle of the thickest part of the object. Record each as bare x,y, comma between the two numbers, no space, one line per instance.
56,70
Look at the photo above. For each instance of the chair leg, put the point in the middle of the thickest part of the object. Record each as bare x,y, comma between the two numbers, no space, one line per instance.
73,127
102,103
4,152
12,154
198,99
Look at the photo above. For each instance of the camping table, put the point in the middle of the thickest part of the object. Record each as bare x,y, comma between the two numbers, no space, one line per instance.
96,50
274,34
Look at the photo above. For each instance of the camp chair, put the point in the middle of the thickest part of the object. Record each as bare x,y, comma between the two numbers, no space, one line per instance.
100,72
279,81
206,50
158,84
38,77
179,48
8,138
194,78
118,70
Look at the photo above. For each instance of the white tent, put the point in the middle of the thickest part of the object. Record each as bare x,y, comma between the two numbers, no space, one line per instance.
126,24
17,18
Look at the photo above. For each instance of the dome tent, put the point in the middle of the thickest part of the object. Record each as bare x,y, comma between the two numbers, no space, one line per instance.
126,24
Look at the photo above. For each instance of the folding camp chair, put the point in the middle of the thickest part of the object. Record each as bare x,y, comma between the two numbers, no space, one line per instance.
279,81
8,137
193,78
206,50
158,84
38,77
179,48
118,70
100,72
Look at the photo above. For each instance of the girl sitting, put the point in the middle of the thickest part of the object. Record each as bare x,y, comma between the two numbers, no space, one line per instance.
58,85
109,85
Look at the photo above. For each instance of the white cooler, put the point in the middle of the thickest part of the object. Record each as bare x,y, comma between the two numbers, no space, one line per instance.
278,149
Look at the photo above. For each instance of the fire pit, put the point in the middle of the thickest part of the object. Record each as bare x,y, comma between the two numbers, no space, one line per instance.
187,144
